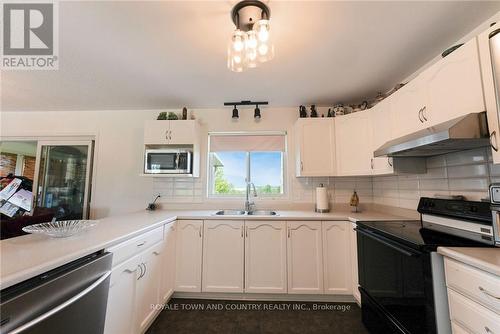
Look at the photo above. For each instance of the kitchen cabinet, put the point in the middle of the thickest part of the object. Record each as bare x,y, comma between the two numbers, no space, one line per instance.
453,85
337,257
354,263
223,256
168,263
265,257
381,133
353,144
448,89
120,312
148,286
490,87
188,255
315,147
305,258
163,132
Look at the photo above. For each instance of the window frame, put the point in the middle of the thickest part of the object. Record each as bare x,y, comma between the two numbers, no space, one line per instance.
284,159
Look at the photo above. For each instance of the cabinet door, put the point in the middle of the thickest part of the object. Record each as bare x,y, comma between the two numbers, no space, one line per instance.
354,262
156,132
315,147
353,144
188,255
381,130
120,312
148,286
265,257
304,253
406,105
182,132
168,261
223,256
454,85
337,258
487,47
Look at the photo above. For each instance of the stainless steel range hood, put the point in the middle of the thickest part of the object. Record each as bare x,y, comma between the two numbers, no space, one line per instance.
462,133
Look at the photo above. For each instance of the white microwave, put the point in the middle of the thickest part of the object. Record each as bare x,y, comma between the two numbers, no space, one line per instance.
168,161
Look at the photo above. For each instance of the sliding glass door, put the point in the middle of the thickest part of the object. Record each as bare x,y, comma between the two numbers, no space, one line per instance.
64,172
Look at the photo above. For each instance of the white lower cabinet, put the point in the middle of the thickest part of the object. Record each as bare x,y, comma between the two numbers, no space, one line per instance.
265,257
354,262
337,258
168,263
223,256
120,313
305,258
188,255
148,286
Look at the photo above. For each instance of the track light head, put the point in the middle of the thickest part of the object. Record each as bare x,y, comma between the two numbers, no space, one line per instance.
256,113
235,113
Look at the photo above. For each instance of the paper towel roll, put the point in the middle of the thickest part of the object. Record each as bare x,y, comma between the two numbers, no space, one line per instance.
321,199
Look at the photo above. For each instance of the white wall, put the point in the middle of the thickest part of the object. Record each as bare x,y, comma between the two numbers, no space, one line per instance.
119,188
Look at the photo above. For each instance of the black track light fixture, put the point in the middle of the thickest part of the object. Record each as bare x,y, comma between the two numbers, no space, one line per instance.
235,113
256,113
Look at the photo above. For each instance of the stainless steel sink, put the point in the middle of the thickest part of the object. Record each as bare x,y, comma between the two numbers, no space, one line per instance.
262,213
230,213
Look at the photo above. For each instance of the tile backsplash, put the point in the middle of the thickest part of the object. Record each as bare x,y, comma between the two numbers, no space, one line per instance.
465,173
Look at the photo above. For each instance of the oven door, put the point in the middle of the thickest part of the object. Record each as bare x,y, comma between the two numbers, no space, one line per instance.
394,279
167,162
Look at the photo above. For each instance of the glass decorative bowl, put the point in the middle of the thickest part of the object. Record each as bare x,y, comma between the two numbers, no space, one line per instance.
60,229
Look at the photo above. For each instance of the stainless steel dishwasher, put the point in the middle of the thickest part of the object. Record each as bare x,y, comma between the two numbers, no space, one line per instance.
69,299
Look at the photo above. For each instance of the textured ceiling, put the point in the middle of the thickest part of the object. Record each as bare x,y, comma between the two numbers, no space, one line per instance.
153,55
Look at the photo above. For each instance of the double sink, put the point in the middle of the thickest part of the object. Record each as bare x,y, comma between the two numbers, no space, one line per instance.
246,213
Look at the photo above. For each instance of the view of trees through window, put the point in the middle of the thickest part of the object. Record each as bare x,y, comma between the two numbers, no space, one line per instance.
230,171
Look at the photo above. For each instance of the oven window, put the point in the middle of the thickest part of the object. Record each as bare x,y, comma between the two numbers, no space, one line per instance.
161,161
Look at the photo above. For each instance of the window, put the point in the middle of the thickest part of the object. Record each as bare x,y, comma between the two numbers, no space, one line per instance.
235,159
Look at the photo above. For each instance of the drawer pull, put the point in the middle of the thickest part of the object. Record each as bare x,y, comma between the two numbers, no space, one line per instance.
141,244
487,293
487,330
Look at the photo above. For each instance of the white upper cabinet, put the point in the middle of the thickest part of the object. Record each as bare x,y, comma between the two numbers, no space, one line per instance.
337,258
408,106
453,85
179,132
486,48
381,126
353,144
223,256
265,257
305,257
315,147
168,263
188,255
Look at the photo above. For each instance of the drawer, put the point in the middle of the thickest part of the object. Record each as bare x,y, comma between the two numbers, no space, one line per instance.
474,283
129,248
471,316
457,329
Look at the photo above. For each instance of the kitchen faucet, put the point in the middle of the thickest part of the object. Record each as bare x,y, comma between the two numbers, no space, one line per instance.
248,204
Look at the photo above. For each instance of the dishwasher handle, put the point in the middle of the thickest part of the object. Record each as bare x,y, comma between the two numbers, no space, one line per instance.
62,306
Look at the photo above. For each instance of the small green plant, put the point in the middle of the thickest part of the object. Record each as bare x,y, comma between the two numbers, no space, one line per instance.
162,116
172,116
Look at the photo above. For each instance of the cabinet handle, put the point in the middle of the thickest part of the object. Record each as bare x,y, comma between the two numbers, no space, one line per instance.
246,231
130,271
170,134
141,244
199,231
289,232
389,161
494,147
423,113
145,269
371,163
140,275
487,330
166,135
301,166
242,231
156,253
420,115
487,293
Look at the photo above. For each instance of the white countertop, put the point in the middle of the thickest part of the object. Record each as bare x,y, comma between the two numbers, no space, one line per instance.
30,255
487,259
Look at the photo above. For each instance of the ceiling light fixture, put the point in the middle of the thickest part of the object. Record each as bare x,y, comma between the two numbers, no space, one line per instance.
256,113
235,113
250,43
